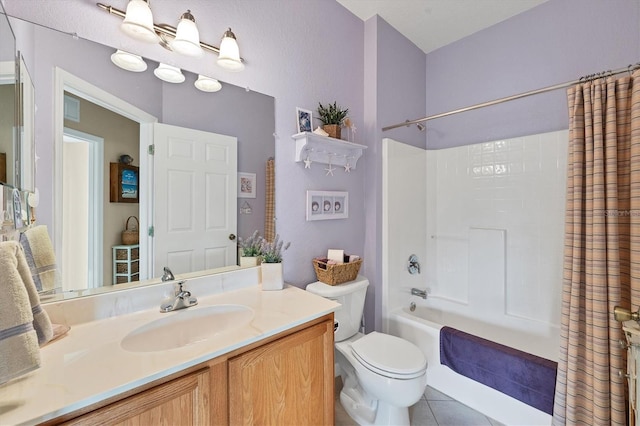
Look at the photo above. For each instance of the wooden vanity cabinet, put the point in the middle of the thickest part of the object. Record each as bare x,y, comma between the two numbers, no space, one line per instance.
286,382
182,401
285,379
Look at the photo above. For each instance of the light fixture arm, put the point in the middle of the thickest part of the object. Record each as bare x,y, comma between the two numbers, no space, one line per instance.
161,29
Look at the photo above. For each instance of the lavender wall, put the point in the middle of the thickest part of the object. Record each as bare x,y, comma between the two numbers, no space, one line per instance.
556,42
395,88
300,52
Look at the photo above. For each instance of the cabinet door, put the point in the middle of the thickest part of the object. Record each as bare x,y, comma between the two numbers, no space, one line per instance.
288,381
183,401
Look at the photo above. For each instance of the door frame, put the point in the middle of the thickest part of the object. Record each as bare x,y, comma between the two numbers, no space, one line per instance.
96,182
65,81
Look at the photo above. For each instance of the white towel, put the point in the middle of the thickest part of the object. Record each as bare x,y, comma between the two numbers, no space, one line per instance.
40,258
19,351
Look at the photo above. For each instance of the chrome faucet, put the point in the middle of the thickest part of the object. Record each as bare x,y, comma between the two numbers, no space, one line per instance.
419,293
167,275
181,300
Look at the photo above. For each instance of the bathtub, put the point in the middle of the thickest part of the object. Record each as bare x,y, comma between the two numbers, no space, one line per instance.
422,327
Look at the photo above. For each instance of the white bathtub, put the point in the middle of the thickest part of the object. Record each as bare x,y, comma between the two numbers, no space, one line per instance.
422,327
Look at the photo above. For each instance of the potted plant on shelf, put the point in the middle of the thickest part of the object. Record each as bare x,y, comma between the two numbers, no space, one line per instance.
250,249
332,117
271,266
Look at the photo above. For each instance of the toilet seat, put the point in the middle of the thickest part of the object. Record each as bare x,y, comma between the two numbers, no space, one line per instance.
389,356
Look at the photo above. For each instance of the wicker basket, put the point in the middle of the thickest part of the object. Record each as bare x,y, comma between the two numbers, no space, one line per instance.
130,236
336,274
123,268
122,254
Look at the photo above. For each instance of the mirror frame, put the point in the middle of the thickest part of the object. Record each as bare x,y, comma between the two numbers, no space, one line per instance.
9,70
25,111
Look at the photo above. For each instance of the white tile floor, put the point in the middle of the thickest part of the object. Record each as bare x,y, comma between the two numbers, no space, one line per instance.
434,409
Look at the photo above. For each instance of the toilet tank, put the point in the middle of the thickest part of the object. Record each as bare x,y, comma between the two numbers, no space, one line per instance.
351,296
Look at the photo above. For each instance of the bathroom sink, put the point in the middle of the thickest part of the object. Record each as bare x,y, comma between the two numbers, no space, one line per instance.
186,327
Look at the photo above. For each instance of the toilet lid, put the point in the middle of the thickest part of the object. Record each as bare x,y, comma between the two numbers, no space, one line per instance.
390,355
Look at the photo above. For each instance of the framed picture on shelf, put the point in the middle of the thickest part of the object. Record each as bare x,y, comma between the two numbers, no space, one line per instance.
246,185
305,120
324,205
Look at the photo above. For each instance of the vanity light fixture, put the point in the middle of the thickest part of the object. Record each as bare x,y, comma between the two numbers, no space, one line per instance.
169,73
138,23
207,84
187,39
128,61
229,56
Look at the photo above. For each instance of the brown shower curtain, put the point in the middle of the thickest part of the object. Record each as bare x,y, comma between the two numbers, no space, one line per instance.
601,249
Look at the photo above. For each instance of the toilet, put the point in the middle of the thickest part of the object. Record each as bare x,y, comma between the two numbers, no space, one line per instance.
382,375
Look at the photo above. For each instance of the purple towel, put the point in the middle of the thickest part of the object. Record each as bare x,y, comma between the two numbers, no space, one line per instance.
521,375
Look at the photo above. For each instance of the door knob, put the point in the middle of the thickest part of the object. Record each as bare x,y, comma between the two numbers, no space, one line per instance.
232,237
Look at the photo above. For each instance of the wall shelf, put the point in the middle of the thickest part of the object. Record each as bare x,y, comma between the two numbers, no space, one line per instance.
325,150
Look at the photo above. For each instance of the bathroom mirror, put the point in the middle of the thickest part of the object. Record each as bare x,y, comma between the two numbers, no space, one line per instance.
234,111
26,127
8,101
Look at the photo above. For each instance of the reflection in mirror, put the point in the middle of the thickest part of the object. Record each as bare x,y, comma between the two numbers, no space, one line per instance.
26,128
8,100
243,114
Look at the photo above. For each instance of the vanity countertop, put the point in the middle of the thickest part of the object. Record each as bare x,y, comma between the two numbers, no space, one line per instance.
89,365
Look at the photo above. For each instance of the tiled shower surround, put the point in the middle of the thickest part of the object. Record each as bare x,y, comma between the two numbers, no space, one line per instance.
495,223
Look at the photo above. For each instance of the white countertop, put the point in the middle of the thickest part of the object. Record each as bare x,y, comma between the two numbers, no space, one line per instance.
88,364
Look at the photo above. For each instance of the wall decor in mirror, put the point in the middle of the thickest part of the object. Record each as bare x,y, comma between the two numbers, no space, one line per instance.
119,113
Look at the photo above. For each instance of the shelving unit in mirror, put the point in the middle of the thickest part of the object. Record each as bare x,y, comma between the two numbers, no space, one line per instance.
326,150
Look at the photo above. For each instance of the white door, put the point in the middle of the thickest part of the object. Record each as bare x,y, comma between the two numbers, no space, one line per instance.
194,199
82,256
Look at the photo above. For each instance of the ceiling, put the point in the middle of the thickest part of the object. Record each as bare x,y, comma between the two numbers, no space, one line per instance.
431,24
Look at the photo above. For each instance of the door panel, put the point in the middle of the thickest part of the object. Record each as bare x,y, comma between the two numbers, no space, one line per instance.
195,199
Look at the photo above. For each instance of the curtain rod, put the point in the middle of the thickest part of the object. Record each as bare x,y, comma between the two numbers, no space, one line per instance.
589,77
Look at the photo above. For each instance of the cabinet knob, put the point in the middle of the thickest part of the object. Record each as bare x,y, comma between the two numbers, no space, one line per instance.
232,237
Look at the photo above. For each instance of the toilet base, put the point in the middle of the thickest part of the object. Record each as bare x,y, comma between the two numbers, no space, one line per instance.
368,411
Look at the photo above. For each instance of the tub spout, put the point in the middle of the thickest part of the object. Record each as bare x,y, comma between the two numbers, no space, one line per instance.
419,293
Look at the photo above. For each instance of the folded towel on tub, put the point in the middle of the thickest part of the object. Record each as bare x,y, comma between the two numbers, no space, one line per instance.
23,323
526,377
40,257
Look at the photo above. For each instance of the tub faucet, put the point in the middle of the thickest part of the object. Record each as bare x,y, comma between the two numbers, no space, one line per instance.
167,275
181,300
419,293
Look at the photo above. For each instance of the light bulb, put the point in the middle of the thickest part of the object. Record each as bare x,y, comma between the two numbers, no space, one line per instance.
138,21
229,57
187,41
207,84
128,61
169,73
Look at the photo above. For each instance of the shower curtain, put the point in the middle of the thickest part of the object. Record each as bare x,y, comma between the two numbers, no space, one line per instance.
602,249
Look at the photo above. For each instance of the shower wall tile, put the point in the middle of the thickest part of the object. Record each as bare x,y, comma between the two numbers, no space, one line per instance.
517,185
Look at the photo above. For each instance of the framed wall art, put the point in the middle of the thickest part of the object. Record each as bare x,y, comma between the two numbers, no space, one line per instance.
305,120
123,187
246,185
324,205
